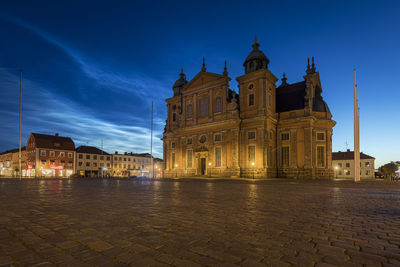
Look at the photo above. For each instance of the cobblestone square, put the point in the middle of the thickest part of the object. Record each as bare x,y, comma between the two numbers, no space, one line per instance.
198,222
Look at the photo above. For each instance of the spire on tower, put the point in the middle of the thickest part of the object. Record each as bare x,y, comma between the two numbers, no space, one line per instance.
284,79
204,65
312,65
225,70
256,44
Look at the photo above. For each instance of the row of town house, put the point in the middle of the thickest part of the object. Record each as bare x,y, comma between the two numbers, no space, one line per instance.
56,156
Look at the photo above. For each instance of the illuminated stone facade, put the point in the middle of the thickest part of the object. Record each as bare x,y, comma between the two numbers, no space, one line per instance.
264,131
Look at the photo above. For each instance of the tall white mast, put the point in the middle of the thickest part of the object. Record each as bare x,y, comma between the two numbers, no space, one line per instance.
356,135
151,142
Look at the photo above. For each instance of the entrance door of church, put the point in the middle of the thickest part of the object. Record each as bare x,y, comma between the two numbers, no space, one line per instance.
203,166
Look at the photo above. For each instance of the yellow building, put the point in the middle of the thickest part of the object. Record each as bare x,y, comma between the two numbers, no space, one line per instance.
264,131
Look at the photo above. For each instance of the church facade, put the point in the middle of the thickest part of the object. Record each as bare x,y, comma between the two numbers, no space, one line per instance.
264,131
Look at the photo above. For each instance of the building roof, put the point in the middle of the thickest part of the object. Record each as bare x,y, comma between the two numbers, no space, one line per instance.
348,155
91,150
13,150
53,141
290,97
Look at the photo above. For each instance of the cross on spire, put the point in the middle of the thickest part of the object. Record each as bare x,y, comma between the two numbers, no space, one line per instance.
225,70
204,65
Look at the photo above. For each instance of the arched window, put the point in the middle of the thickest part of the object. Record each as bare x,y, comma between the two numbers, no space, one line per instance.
218,105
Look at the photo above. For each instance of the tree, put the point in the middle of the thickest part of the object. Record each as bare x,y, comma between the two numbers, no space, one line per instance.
389,169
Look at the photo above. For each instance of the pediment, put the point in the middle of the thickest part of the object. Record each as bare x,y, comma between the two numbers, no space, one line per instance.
203,79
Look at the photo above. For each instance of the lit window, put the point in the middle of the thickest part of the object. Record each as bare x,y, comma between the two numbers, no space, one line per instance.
285,136
251,135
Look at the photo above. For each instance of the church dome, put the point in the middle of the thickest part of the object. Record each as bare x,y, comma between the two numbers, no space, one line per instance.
256,60
178,85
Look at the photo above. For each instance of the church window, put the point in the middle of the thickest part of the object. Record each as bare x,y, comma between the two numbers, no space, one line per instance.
217,138
218,105
173,145
189,141
251,99
285,136
285,156
203,106
217,157
251,151
189,111
320,136
189,158
251,135
173,160
320,156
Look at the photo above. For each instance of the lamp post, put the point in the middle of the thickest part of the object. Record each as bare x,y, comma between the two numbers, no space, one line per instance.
252,164
336,168
209,166
176,167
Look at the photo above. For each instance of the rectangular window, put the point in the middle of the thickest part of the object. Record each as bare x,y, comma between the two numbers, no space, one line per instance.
80,163
87,164
124,159
218,105
340,164
340,172
129,166
320,136
189,111
366,172
217,137
173,145
108,164
70,155
189,158
251,135
62,154
94,156
285,156
347,165
101,157
251,154
124,166
251,99
285,136
87,156
43,162
320,156
203,107
108,158
173,160
367,164
190,141
80,156
94,164
347,172
52,153
217,157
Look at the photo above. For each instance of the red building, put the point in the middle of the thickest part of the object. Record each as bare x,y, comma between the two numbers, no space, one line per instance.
50,156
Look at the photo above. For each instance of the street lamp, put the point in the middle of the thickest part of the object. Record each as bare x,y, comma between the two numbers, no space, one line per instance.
209,164
336,168
252,164
176,167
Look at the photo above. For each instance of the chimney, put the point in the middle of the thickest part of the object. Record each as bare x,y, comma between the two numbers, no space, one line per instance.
56,134
348,150
116,152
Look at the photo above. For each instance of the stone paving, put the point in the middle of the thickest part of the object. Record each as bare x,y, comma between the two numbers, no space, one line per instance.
193,222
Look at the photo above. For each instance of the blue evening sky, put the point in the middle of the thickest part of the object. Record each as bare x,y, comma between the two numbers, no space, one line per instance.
92,68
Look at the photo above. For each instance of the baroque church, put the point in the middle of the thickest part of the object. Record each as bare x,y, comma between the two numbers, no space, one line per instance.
264,131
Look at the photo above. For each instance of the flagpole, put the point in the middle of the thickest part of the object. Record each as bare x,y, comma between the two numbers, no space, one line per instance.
356,135
151,142
20,114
